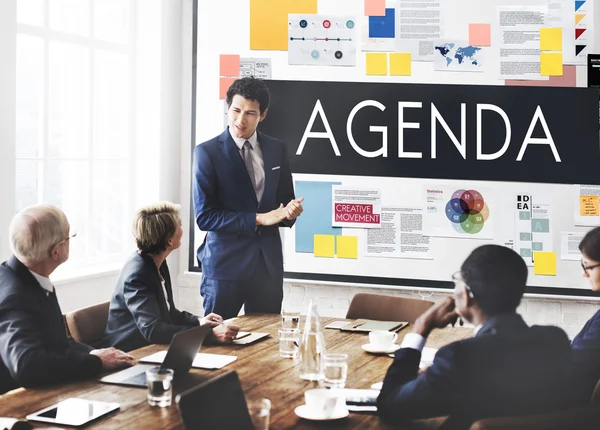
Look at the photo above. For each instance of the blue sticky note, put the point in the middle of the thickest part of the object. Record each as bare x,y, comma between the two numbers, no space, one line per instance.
383,27
317,214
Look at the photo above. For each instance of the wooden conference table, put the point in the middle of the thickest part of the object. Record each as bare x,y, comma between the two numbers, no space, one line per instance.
262,373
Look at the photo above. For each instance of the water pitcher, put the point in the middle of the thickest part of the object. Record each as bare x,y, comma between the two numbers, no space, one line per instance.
312,346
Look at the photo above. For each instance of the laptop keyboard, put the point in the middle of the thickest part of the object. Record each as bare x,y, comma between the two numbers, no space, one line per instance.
139,379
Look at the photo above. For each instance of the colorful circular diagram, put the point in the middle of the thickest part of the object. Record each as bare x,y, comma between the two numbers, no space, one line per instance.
350,23
467,211
326,23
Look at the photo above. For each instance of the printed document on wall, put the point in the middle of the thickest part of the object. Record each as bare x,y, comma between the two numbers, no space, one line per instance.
585,205
322,40
519,31
569,245
523,234
418,26
400,236
355,207
584,33
560,15
541,227
465,213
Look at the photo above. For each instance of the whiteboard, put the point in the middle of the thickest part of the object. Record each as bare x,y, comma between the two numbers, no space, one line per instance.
223,28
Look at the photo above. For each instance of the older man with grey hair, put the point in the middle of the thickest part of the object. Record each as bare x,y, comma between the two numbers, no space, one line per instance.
34,347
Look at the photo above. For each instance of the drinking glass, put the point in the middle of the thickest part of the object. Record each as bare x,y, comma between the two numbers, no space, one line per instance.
260,412
335,370
290,319
288,342
159,386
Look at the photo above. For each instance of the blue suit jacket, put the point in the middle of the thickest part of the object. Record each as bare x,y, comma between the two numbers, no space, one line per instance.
138,313
507,369
586,358
225,206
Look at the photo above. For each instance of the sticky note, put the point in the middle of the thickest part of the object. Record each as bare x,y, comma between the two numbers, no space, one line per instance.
376,63
383,26
229,65
551,39
588,206
269,21
224,84
400,64
544,263
480,35
324,245
551,64
374,7
347,246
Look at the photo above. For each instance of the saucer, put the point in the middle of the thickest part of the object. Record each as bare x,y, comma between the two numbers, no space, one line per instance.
303,412
370,348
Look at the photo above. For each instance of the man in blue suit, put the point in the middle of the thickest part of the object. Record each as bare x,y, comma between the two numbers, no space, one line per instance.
243,192
507,368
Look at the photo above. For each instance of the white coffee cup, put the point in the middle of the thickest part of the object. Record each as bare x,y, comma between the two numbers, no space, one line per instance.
322,402
382,339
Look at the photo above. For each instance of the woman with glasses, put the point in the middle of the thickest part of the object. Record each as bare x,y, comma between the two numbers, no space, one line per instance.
586,345
142,310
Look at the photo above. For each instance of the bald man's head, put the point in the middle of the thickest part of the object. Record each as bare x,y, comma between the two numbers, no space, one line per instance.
34,232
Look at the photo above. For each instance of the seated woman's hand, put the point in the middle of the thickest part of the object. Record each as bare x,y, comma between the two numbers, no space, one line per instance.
212,320
225,333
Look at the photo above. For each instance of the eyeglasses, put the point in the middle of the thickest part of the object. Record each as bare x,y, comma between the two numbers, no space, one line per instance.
586,268
72,235
457,278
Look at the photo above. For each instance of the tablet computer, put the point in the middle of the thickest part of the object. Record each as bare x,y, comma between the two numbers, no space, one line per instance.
73,412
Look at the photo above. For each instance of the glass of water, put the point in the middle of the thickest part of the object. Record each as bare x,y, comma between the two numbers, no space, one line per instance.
260,412
290,319
288,342
160,387
335,370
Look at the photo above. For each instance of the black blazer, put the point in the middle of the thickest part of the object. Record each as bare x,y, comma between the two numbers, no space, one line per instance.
138,314
34,347
586,359
507,369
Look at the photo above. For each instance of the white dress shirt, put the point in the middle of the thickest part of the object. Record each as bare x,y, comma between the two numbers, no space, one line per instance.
162,282
44,282
416,341
257,160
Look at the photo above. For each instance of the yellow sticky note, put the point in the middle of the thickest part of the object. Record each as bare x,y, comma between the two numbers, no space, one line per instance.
347,246
551,39
544,263
377,63
588,206
551,64
269,21
324,245
400,64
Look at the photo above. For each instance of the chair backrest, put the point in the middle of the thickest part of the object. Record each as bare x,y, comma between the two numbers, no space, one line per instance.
216,404
596,395
87,325
386,308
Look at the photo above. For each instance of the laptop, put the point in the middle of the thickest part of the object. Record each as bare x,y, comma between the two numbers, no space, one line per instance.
180,356
204,407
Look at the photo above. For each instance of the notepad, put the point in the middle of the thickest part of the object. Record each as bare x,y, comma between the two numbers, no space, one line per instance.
202,360
365,326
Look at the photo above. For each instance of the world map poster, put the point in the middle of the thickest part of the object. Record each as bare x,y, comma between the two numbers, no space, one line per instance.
457,56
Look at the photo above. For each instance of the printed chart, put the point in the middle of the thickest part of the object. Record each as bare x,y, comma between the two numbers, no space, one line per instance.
323,40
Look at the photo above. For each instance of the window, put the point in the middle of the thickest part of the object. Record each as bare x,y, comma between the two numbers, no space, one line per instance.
76,119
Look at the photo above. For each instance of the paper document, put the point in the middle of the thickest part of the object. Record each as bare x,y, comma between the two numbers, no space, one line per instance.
202,361
585,205
418,25
569,245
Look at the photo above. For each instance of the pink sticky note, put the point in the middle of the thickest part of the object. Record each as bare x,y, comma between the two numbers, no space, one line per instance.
229,65
374,7
568,79
480,35
224,84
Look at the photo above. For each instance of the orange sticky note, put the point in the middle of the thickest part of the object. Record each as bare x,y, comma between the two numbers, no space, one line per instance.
480,35
374,7
224,84
229,65
588,206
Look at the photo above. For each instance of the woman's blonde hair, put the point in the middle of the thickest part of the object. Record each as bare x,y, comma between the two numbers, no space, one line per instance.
35,230
154,225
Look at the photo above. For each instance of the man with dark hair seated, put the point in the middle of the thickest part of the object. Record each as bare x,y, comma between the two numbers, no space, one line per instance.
507,368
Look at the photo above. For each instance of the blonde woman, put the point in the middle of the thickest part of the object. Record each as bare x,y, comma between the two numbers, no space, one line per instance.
142,310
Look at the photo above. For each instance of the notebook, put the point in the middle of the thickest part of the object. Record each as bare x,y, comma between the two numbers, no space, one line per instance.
365,326
201,361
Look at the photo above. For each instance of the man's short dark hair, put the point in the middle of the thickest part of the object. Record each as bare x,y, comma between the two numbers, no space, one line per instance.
590,244
250,88
497,276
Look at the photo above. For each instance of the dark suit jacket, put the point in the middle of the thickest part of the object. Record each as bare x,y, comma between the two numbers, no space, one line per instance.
34,347
225,206
586,358
507,369
138,313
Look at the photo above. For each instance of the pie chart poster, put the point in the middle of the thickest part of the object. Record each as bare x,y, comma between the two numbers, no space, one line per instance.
459,212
